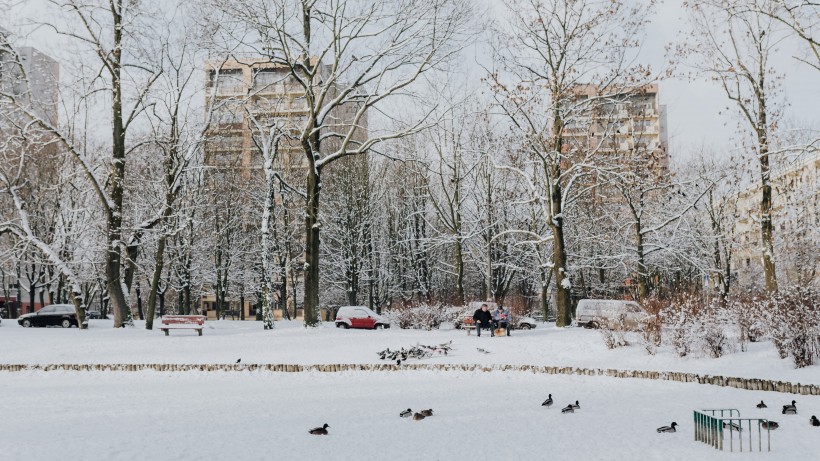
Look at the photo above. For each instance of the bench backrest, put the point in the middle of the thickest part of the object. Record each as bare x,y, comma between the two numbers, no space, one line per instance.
183,320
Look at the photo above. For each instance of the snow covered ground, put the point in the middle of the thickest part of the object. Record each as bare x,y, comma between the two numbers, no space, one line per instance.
264,415
226,341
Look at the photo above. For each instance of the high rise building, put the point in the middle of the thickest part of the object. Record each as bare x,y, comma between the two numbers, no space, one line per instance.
31,76
618,125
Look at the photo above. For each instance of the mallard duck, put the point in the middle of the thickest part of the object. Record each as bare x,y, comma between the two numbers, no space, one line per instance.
568,409
814,421
427,412
547,403
771,425
733,426
418,417
669,428
406,413
319,430
790,409
761,405
576,406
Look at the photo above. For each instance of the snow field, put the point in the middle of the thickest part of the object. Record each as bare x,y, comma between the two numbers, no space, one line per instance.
266,416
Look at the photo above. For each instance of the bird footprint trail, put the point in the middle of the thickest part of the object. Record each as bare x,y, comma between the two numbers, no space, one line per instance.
419,351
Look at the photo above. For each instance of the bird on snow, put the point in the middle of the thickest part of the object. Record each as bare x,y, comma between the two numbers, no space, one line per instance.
238,360
547,403
734,426
319,430
406,413
426,413
814,421
576,406
418,417
761,405
398,362
669,428
482,350
568,409
790,409
769,424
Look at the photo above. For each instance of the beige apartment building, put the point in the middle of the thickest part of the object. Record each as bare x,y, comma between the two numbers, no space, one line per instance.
252,89
622,125
796,222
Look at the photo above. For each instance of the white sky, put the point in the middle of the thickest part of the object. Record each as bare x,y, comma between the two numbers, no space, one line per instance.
693,108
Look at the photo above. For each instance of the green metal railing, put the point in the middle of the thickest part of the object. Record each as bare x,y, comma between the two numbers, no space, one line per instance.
710,428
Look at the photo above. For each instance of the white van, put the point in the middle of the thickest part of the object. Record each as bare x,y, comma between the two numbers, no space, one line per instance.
592,313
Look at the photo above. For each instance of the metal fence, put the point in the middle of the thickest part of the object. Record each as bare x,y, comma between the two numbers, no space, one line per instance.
730,429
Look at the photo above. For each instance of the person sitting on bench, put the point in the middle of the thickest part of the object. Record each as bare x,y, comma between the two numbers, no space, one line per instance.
501,318
483,319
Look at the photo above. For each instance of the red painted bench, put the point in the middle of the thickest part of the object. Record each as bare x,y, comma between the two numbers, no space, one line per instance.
183,322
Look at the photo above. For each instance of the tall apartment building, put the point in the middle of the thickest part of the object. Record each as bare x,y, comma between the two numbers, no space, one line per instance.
253,88
31,76
796,222
628,125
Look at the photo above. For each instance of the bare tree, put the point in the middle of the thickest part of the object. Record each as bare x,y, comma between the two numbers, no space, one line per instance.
732,45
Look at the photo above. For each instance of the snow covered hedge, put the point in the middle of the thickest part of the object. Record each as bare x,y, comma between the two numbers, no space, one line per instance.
422,316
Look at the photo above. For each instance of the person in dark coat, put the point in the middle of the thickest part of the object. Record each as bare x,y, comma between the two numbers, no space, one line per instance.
483,319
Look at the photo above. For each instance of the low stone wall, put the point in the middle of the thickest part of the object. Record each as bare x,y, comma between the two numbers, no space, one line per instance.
753,384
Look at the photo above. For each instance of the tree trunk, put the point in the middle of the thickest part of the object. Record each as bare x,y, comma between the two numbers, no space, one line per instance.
643,287
312,248
766,228
152,295
139,301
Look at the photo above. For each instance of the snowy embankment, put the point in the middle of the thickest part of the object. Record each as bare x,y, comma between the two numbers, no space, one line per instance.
224,342
477,416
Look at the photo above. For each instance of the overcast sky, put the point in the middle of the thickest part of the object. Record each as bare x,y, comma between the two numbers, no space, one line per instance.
693,108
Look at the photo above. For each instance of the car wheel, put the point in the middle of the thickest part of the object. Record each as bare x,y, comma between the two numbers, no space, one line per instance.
344,325
378,326
65,323
526,326
26,323
593,325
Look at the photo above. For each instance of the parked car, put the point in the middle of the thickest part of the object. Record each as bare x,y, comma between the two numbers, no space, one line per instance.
359,317
93,315
54,315
592,313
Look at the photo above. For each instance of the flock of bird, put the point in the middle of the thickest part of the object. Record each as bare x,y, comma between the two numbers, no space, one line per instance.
787,410
419,351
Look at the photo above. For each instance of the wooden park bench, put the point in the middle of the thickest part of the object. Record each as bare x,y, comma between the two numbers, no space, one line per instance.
469,324
183,322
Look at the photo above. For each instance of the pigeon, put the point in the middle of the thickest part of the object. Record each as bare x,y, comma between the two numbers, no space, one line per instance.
814,421
790,409
568,409
427,412
482,350
406,413
238,360
547,403
667,429
576,406
733,426
398,362
769,425
319,430
761,405
418,417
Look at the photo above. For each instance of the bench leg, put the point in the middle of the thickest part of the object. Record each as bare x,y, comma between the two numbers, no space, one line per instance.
166,332
199,331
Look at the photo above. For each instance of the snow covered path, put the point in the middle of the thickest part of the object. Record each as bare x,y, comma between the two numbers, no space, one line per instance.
265,416
226,341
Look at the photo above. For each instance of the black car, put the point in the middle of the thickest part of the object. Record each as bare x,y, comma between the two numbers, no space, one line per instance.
54,315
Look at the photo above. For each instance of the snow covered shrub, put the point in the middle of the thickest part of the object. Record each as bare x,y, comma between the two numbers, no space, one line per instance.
748,316
795,324
681,321
420,317
613,332
712,326
650,327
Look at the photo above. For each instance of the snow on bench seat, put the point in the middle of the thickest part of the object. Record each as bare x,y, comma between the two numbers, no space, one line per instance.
183,322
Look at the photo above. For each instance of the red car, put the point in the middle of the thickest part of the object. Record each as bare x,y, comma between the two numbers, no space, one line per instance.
359,317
